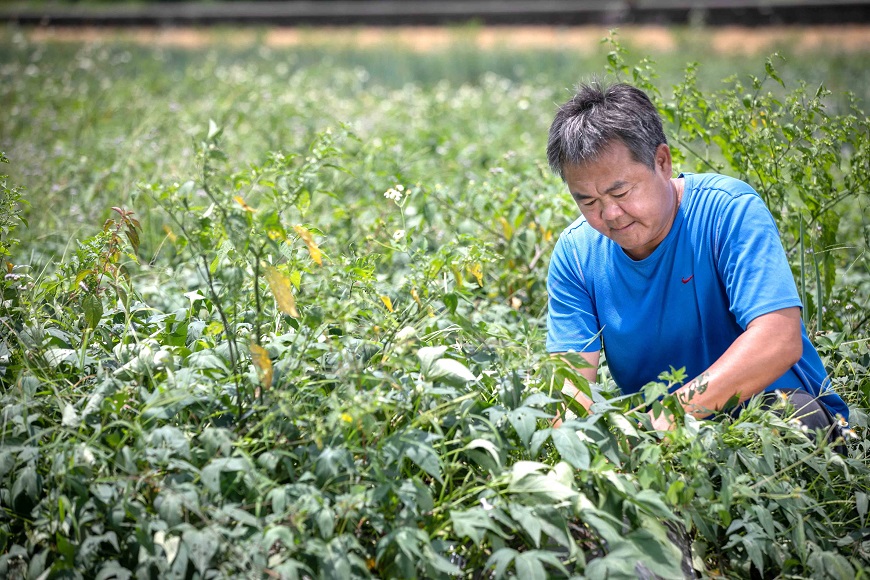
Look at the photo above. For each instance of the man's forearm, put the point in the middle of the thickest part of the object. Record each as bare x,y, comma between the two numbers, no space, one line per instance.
768,348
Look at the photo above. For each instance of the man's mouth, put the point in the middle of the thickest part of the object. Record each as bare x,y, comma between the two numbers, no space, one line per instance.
623,228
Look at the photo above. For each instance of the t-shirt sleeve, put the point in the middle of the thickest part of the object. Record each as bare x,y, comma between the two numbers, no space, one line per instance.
752,262
572,324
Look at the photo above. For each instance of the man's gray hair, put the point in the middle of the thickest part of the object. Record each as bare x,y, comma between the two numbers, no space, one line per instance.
595,117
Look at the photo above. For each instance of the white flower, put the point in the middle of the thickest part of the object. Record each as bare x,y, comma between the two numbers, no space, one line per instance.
399,235
395,193
486,505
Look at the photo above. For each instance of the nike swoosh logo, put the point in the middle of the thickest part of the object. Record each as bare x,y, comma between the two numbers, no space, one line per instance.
686,280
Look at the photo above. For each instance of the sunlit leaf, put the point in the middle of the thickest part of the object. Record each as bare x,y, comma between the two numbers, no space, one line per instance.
387,302
507,229
450,371
313,249
238,199
476,270
70,418
428,355
487,445
169,233
213,130
263,364
280,286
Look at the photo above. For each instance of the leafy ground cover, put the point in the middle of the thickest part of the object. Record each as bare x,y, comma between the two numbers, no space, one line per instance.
283,317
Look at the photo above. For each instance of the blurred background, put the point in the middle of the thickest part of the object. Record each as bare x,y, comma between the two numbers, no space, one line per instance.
100,96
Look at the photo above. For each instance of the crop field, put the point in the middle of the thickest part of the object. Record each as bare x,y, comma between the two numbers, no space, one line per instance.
278,310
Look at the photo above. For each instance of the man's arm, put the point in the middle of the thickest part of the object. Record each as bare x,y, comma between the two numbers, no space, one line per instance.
590,374
769,347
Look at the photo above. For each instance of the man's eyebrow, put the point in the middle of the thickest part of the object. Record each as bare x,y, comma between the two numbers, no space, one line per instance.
617,185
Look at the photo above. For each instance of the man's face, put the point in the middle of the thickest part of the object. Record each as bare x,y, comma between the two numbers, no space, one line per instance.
625,200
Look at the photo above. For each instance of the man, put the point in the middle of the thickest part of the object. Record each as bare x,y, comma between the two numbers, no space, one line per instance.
672,272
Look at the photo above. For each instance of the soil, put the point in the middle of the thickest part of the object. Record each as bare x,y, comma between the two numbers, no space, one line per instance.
727,40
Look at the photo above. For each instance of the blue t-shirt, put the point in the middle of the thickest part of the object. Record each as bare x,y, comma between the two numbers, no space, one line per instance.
721,265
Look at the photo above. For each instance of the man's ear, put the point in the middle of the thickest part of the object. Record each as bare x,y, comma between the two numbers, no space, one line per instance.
663,159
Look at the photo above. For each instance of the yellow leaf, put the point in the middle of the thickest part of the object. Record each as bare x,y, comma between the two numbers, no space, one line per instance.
276,234
387,302
263,364
476,270
82,275
313,250
416,297
296,278
280,286
244,205
506,227
548,235
169,233
458,275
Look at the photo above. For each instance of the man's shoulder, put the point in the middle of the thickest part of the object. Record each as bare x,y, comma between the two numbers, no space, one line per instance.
718,186
580,236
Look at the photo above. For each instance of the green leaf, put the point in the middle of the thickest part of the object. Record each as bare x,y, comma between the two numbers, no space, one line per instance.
651,502
211,473
451,372
473,524
528,521
501,559
93,309
201,547
538,439
439,563
765,519
425,457
546,487
27,485
57,356
170,506
524,421
7,462
112,570
487,445
753,549
571,448
451,301
428,355
325,522
529,567
861,504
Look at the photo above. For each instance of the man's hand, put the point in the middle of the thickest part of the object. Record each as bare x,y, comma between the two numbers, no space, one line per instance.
663,421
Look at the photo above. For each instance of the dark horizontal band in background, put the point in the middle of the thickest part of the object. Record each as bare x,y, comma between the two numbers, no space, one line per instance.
433,12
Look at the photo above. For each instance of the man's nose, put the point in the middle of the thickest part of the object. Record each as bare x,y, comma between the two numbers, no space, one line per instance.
611,211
